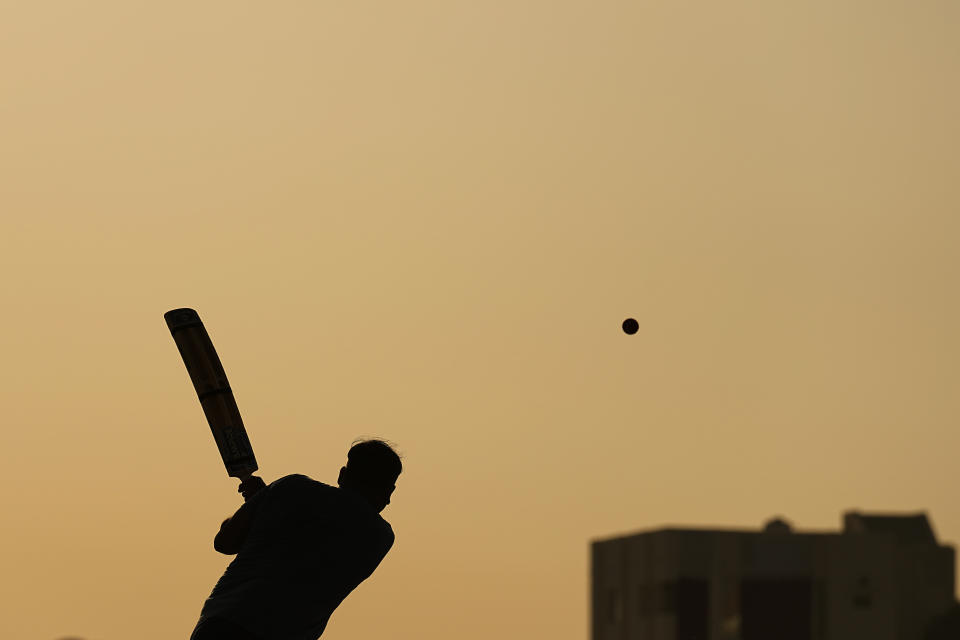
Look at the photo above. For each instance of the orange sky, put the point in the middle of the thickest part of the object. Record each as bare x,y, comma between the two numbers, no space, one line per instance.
425,221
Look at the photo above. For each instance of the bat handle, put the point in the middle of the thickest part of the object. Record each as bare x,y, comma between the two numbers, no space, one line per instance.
250,485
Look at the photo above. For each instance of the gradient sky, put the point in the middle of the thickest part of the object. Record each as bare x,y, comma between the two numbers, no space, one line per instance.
425,221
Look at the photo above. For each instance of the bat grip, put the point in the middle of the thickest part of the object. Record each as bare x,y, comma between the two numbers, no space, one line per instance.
250,485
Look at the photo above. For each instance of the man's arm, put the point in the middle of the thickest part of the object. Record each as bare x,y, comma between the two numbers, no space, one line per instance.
234,529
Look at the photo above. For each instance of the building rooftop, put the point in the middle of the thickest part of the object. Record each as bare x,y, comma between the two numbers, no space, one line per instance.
906,528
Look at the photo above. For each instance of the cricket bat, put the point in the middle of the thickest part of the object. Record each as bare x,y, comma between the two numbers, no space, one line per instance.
213,390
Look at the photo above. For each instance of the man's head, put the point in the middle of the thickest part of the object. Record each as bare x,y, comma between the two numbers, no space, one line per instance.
372,471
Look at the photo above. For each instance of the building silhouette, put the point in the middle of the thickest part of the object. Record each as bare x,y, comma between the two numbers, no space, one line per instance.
882,577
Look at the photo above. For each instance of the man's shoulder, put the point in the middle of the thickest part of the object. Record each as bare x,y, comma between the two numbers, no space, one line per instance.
298,480
293,478
297,486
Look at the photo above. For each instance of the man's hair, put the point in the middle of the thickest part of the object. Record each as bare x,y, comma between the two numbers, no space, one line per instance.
375,461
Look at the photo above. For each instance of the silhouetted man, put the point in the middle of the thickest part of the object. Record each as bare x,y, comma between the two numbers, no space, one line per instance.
301,547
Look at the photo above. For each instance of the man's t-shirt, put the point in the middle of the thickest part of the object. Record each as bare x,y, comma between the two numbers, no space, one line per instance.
309,546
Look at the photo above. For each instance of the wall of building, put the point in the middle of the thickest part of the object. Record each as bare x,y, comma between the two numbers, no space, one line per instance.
721,585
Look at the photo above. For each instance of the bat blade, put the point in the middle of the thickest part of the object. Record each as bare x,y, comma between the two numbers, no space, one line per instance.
213,391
